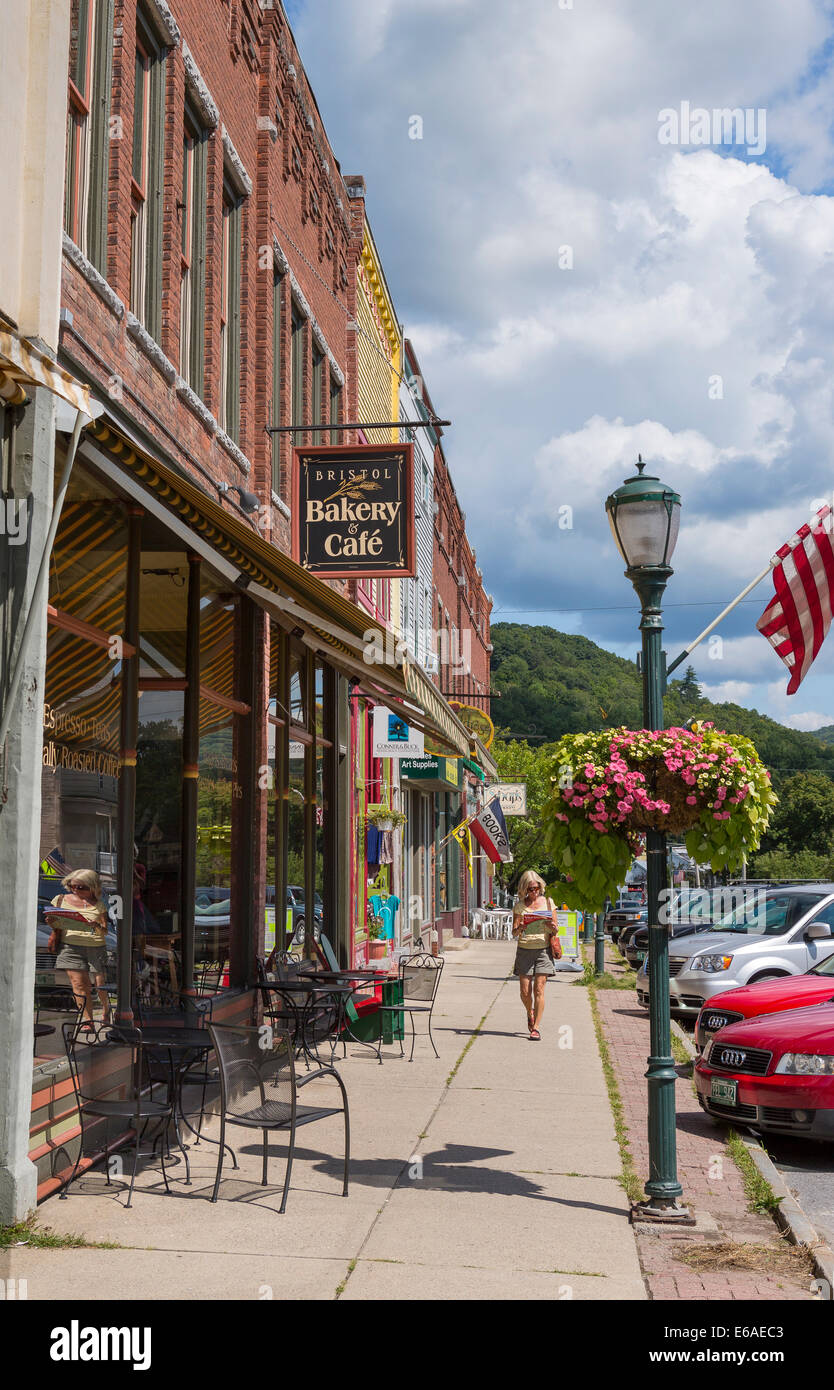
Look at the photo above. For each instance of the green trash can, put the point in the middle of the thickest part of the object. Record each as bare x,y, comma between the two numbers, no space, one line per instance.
393,1024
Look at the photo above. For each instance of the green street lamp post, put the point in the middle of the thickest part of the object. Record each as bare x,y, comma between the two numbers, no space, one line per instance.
599,944
644,517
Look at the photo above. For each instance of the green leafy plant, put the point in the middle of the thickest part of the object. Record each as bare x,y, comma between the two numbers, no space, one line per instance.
608,788
383,814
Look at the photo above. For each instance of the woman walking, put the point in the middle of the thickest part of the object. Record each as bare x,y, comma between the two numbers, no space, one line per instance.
536,932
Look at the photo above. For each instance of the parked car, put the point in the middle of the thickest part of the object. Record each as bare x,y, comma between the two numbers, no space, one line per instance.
626,909
297,901
627,932
773,1074
785,932
766,997
638,945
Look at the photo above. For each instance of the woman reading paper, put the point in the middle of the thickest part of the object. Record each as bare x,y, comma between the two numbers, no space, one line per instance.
79,927
536,932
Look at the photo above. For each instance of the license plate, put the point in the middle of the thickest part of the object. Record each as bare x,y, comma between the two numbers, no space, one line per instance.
641,956
724,1091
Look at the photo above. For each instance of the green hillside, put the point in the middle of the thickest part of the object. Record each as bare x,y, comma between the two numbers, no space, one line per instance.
553,683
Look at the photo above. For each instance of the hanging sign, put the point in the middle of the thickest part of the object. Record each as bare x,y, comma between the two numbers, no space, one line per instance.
393,737
512,796
476,721
353,511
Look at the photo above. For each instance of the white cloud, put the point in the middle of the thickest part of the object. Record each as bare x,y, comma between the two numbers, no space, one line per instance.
809,721
730,692
696,325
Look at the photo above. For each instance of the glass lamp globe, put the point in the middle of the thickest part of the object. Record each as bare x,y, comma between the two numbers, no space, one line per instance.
644,516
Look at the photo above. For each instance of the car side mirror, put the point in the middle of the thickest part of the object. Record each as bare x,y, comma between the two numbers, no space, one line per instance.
817,931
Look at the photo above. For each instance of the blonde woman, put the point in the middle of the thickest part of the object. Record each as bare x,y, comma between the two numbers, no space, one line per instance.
536,934
82,950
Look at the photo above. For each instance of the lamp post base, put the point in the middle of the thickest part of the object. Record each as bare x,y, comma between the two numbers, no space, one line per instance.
657,1211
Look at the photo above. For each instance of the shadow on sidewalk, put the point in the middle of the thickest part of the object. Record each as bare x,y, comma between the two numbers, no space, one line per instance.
451,1169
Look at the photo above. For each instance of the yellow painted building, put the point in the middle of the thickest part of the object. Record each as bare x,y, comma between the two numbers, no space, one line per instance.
379,358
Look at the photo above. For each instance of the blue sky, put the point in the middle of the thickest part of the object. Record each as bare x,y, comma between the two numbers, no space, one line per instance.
578,291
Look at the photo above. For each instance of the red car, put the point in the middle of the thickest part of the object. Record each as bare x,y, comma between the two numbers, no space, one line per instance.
774,1073
765,997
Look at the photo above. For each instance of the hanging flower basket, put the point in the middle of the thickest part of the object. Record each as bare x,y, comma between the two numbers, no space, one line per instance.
609,788
384,818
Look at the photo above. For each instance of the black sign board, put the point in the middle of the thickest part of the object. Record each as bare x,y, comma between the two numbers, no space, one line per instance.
353,511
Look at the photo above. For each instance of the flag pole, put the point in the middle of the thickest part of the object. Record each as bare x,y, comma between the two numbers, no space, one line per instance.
730,606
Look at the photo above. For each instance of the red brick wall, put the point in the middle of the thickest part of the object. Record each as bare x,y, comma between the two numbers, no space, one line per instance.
245,55
453,555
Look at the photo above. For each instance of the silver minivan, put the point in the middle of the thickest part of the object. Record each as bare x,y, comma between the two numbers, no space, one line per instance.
775,931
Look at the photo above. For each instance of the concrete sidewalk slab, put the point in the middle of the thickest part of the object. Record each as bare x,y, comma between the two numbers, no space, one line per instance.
496,1213
155,1274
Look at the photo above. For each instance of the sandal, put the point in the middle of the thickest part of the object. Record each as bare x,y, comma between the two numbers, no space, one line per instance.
535,1035
87,1027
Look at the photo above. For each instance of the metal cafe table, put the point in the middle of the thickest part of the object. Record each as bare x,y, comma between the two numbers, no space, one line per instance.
311,987
179,1045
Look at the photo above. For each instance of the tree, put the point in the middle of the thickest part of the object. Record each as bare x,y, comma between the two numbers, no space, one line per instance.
689,690
522,762
804,818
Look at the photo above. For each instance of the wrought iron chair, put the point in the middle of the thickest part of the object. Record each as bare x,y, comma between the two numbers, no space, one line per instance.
259,1090
92,1061
419,977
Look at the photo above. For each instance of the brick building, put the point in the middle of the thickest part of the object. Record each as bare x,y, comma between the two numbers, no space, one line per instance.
185,706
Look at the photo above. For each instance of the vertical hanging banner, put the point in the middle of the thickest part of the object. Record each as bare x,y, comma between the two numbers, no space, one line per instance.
353,511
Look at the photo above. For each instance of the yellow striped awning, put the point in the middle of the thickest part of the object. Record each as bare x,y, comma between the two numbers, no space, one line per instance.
23,365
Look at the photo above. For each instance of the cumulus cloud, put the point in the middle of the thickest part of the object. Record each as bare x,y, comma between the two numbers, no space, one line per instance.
692,321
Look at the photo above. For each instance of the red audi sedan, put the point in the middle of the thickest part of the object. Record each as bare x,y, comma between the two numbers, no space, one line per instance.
774,1073
769,996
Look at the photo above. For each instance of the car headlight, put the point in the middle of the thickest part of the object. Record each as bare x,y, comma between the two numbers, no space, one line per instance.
709,964
806,1064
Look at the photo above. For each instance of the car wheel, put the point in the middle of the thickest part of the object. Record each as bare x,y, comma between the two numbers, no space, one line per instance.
768,975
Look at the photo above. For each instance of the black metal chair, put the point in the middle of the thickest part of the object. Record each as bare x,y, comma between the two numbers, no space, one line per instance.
419,977
194,1068
259,1090
208,976
93,1062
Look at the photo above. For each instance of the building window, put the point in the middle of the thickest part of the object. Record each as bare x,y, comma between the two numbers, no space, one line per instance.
229,404
277,321
318,391
335,410
297,365
88,134
147,181
193,253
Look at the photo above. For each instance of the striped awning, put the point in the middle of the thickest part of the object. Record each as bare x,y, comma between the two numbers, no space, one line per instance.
23,366
429,698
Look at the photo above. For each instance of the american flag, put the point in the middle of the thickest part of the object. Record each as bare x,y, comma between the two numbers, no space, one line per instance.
797,619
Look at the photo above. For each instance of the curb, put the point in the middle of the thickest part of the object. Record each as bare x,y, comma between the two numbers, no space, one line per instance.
791,1219
789,1215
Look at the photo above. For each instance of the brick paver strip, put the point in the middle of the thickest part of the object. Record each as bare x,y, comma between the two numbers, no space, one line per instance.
710,1179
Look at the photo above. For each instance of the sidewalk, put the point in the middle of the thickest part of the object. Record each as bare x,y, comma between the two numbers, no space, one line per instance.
712,1184
491,1173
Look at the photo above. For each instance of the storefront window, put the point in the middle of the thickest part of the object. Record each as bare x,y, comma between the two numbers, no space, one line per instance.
81,764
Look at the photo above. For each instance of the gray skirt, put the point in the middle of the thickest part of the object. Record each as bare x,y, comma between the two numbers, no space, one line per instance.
532,962
92,959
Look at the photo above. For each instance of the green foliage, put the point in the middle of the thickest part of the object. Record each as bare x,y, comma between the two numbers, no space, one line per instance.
553,683
805,819
777,863
608,787
523,762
